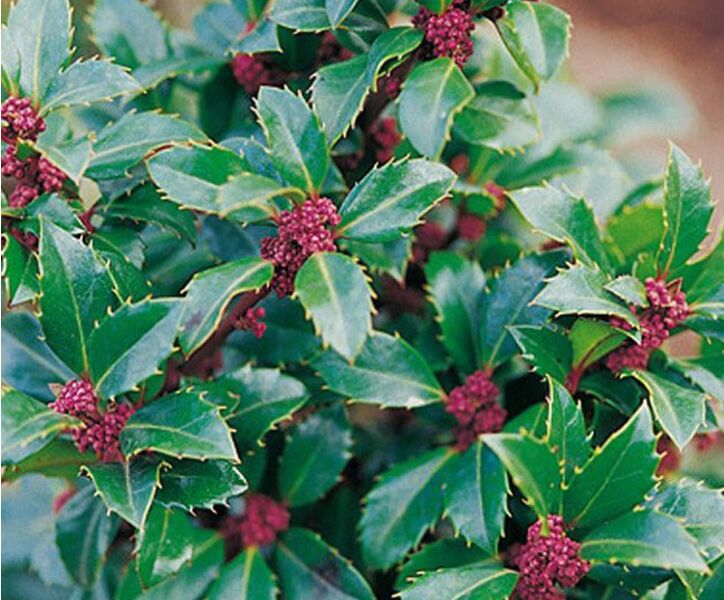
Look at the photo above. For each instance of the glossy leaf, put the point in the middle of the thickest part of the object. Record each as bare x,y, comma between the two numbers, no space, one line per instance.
592,339
474,582
300,16
59,458
547,350
432,95
566,430
333,290
629,289
247,577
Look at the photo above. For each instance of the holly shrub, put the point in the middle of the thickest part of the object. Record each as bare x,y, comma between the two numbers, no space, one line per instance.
347,299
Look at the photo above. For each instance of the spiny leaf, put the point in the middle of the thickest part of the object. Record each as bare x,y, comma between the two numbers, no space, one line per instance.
476,581
247,577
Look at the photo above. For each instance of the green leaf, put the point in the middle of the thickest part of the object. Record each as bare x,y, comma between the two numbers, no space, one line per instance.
10,62
181,425
500,117
248,197
636,230
87,82
190,484
300,15
247,577
338,10
391,200
532,420
679,410
387,371
547,350
536,36
75,294
509,303
309,567
533,467
616,477
124,144
264,37
645,538
261,398
339,90
41,32
565,219
432,94
314,456
473,582
580,290
128,487
475,497
129,282
333,290
151,74
209,293
143,335
295,139
591,340
129,31
687,211
699,509
83,533
70,156
566,430
629,289
20,272
59,458
402,505
28,425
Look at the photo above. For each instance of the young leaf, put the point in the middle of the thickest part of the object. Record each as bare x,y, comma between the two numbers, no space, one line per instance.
679,410
307,565
402,505
128,487
616,477
247,577
314,456
536,36
210,292
28,425
333,290
391,200
533,467
566,430
75,294
294,137
645,538
475,497
180,425
477,581
687,211
142,336
431,96
387,371
547,350
190,484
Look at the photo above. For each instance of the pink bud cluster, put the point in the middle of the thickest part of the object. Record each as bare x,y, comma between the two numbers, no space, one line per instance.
474,405
253,71
331,51
385,138
448,34
302,232
667,309
101,428
392,85
252,321
471,227
262,519
546,562
428,237
20,120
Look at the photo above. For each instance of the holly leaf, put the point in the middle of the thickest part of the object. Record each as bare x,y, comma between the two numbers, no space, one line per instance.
183,425
75,294
70,156
209,293
565,219
128,487
333,290
143,335
616,477
301,15
481,580
475,497
28,425
190,484
338,10
152,74
592,340
405,502
547,350
125,143
295,138
500,117
509,304
247,577
59,458
566,431
687,211
645,538
306,565
533,467
629,289
679,410
536,36
387,371
391,200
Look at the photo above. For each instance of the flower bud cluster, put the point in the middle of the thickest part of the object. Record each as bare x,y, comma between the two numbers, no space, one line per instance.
253,71
448,34
252,321
385,138
262,520
20,121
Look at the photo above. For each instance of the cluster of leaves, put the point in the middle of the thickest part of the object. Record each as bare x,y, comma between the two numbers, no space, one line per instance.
149,259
